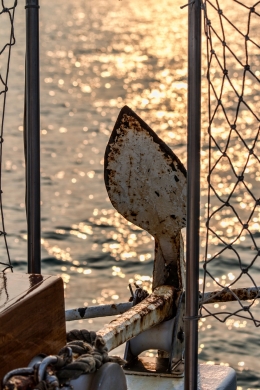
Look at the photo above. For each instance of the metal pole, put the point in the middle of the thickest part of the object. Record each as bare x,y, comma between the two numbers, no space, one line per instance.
32,124
193,204
97,311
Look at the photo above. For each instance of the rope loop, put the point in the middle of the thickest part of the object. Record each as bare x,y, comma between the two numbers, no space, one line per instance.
89,354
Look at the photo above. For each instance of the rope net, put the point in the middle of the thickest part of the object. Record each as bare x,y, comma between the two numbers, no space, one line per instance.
7,40
232,245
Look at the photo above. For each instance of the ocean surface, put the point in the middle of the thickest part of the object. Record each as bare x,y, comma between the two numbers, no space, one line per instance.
97,56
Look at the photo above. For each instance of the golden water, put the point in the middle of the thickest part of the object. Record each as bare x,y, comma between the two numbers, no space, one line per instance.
97,56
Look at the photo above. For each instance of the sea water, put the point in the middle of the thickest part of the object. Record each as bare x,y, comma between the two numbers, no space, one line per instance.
97,56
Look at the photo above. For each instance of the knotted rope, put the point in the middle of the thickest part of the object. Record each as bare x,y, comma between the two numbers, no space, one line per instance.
139,295
89,354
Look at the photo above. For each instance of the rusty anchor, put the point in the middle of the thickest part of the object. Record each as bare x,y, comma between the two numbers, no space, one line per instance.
146,183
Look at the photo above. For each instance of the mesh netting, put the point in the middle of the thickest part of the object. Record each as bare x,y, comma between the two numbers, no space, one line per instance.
7,40
231,262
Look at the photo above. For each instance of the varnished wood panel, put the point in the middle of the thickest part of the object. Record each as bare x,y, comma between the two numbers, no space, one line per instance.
32,318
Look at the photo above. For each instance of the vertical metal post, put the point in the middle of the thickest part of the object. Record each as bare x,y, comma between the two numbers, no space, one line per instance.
193,204
32,135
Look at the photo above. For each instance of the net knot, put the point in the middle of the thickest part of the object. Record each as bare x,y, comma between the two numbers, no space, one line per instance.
240,98
191,318
252,9
245,226
247,37
224,43
225,72
233,127
240,178
257,202
246,308
247,67
244,270
220,12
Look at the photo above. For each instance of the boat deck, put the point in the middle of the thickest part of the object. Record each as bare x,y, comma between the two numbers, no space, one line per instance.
211,378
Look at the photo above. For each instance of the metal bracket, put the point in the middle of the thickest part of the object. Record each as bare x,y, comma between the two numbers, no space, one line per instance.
167,336
176,359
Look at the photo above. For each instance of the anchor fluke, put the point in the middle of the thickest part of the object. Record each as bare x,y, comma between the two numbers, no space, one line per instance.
145,180
146,183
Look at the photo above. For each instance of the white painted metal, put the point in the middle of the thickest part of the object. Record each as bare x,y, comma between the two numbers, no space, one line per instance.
109,377
97,311
159,337
146,183
210,378
146,314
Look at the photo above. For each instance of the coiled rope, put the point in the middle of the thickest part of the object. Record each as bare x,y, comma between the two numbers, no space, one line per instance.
89,354
84,353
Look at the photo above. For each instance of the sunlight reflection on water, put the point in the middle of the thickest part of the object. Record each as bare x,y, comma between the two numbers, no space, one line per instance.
97,56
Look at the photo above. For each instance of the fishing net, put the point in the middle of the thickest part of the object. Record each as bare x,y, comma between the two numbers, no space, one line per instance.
232,197
7,40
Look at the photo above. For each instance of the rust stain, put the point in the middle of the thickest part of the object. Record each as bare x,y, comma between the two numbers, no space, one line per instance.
151,311
229,295
129,174
149,190
19,382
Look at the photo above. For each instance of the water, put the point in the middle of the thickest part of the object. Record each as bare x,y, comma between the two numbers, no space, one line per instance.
97,56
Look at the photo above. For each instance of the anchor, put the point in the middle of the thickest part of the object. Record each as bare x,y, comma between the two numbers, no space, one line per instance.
146,183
